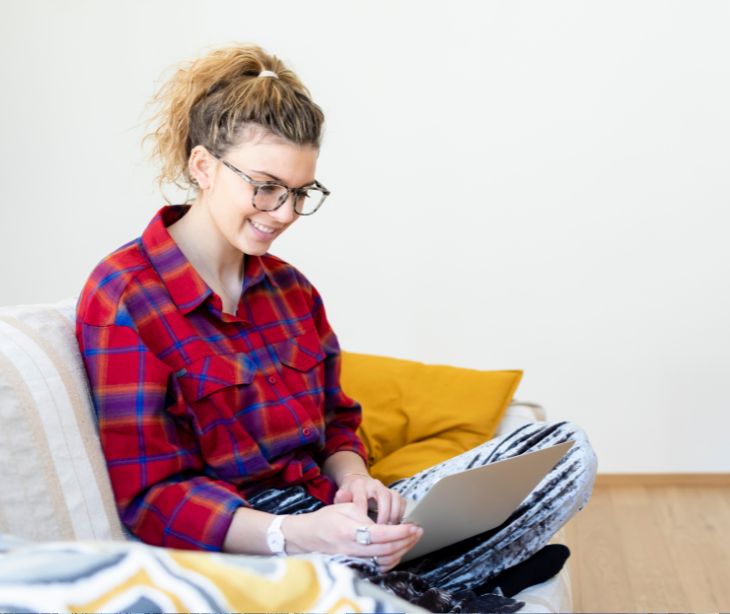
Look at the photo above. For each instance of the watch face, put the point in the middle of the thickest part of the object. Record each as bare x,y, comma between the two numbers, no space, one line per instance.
276,542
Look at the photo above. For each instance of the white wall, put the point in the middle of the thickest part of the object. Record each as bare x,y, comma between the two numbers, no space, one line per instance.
534,185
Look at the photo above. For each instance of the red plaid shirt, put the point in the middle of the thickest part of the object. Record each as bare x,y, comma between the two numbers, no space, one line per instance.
198,409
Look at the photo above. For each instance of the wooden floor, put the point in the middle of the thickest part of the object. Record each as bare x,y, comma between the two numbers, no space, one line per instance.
652,548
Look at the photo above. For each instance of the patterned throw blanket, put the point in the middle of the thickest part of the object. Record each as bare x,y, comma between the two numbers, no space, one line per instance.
492,595
133,577
414,589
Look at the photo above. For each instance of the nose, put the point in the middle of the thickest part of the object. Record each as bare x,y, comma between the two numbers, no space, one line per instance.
285,214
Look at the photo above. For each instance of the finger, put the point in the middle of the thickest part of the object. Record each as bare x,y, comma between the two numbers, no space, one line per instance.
405,547
403,504
343,496
389,561
384,506
386,533
391,550
395,507
382,542
386,563
360,496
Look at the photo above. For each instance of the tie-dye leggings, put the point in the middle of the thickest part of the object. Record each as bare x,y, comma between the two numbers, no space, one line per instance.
563,492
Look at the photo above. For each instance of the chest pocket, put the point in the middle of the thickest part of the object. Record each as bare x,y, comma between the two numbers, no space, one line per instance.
303,372
215,387
302,353
211,373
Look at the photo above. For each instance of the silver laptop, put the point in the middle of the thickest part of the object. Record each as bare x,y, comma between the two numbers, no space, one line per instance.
464,504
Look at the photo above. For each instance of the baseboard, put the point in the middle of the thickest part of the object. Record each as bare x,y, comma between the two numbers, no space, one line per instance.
663,479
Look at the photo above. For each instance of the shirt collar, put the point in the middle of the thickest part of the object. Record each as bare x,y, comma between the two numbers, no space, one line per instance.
186,287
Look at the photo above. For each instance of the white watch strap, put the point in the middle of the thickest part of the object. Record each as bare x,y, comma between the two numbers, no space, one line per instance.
275,537
276,523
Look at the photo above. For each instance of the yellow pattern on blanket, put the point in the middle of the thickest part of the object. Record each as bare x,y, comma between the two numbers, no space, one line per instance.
124,577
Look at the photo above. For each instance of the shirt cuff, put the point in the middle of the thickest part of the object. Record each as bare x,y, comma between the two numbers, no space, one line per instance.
191,515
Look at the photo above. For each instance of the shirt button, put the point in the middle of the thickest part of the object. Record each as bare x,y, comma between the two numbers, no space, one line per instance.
306,431
272,379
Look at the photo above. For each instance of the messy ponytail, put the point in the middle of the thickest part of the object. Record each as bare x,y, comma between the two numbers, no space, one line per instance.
212,100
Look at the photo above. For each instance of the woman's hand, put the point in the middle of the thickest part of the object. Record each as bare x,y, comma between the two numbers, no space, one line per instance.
333,530
360,488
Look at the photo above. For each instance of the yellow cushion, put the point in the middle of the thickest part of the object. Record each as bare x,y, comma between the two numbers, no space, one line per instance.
416,415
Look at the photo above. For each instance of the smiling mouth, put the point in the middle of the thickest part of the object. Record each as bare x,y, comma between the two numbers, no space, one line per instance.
264,229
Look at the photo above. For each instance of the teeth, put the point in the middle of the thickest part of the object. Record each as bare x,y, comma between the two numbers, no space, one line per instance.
262,228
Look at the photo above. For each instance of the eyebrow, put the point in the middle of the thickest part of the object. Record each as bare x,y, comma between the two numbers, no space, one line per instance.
274,177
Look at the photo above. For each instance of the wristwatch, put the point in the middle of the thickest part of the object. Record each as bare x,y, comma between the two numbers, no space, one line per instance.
275,539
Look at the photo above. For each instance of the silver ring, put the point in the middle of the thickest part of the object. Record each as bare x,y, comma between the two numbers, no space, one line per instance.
374,559
362,536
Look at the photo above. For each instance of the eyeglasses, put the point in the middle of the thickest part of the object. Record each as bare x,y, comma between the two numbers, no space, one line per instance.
269,195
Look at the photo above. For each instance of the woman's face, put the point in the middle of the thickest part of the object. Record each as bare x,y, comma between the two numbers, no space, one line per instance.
229,199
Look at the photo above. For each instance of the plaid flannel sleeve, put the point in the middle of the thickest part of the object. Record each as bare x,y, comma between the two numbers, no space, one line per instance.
342,414
155,469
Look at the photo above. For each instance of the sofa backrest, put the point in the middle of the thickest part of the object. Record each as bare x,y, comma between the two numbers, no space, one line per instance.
53,478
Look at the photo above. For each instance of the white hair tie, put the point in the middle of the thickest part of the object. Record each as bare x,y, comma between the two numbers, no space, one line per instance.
268,73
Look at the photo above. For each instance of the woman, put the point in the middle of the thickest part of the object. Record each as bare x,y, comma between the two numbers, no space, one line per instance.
215,373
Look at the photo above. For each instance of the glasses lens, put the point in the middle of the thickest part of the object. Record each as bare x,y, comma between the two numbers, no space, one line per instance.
269,197
309,202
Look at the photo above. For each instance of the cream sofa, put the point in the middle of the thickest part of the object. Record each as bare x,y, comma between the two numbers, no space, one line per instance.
54,482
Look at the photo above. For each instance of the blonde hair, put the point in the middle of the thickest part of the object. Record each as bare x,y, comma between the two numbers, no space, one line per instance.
213,100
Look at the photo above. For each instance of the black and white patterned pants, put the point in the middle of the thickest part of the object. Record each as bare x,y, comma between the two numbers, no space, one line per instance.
563,492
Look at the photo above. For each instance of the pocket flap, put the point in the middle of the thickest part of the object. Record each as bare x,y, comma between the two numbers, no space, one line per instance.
206,375
301,353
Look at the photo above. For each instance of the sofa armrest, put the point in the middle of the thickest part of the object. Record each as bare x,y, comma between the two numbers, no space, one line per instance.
61,490
518,414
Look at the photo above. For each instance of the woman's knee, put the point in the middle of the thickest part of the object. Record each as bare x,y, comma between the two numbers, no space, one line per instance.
583,459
